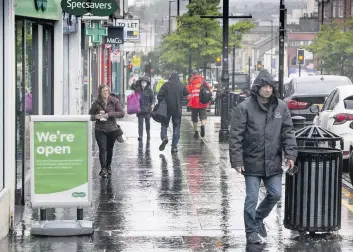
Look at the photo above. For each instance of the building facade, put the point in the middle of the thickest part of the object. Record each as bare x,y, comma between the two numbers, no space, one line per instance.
38,41
7,116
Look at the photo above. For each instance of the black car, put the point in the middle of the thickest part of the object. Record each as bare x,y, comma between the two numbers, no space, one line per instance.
303,92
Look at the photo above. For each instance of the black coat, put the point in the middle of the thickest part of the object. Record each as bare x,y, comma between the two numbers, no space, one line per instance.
258,134
173,92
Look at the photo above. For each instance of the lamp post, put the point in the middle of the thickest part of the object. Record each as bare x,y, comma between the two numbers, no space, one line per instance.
224,131
322,4
281,37
170,10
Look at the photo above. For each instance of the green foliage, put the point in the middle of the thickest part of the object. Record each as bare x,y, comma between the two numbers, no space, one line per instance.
334,48
200,37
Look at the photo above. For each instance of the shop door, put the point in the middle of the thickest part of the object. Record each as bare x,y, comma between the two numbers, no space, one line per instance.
34,95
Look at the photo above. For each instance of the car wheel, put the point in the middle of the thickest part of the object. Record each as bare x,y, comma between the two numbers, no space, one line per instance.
350,166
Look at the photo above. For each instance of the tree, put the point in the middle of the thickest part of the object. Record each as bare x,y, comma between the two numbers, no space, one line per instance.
333,46
200,37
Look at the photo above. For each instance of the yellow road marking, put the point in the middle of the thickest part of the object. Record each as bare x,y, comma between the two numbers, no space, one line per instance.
347,193
345,202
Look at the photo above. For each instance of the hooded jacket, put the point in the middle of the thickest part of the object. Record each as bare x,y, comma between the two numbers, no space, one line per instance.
147,98
259,133
173,92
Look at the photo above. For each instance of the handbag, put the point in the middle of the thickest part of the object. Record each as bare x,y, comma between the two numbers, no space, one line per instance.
133,103
160,112
120,131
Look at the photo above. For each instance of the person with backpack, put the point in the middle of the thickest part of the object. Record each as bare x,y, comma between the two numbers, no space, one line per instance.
147,100
198,109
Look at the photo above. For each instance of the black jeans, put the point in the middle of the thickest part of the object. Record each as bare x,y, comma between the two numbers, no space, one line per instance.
148,125
176,130
106,141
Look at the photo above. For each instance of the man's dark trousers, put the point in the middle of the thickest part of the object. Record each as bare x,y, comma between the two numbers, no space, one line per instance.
176,120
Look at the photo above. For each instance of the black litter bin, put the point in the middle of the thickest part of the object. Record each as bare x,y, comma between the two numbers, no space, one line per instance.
313,194
299,122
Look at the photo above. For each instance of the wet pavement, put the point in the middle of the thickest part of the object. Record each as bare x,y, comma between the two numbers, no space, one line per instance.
155,201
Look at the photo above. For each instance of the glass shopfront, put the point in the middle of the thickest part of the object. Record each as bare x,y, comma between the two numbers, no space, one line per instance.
34,91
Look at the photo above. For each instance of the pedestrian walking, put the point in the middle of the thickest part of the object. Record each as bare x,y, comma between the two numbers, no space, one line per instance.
261,129
104,111
198,109
147,101
172,92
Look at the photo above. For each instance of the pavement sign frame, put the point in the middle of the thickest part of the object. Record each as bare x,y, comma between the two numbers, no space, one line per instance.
61,170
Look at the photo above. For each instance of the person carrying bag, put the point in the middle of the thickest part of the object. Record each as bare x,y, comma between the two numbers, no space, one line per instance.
142,87
104,111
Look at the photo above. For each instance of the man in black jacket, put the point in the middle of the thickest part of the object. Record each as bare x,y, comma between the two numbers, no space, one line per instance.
172,92
261,127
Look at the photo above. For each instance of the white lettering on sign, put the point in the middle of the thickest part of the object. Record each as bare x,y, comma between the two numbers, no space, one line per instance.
74,5
128,25
114,41
53,138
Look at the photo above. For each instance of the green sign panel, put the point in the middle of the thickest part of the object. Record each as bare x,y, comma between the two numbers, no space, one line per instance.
60,157
43,9
96,32
41,5
95,7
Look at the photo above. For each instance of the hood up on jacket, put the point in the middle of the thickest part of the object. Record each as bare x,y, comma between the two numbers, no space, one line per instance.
143,78
264,78
174,78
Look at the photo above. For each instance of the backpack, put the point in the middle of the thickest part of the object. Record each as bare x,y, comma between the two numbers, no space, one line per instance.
205,95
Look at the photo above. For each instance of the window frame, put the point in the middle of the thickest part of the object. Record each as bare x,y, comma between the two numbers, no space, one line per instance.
340,8
328,101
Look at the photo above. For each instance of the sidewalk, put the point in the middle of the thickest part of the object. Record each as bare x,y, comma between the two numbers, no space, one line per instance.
154,201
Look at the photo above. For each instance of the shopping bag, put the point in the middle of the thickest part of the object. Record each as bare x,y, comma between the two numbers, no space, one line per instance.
133,103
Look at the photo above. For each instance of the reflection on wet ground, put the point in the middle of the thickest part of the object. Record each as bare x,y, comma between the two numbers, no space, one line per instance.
155,201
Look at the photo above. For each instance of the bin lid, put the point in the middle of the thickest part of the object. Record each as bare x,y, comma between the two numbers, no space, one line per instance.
318,133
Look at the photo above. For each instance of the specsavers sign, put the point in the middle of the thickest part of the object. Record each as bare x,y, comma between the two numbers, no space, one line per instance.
95,7
61,161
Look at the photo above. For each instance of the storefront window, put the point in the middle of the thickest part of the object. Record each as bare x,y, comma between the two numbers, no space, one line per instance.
47,70
25,100
2,60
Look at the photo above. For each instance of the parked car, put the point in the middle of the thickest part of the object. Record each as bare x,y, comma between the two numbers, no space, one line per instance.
336,116
303,92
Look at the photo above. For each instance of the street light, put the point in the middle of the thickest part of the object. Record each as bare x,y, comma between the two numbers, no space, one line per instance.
322,4
170,10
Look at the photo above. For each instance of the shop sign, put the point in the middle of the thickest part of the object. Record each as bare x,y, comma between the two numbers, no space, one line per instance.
94,7
96,32
41,5
43,9
115,35
115,56
131,28
61,161
136,61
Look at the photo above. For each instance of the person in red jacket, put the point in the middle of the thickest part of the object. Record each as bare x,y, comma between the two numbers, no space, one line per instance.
198,109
